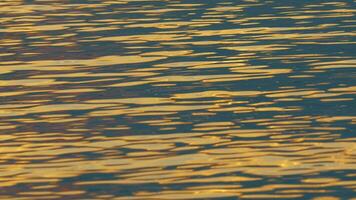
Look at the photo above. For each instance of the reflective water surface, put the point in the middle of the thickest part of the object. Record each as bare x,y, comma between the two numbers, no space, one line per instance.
158,99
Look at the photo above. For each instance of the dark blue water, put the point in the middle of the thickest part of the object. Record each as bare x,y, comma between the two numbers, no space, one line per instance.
134,99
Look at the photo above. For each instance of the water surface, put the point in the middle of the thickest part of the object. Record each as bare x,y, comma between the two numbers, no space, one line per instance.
135,99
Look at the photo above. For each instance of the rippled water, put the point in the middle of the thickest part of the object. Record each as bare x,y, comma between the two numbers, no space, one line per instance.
135,99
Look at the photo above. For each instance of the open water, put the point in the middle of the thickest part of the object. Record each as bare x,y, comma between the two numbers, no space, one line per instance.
177,99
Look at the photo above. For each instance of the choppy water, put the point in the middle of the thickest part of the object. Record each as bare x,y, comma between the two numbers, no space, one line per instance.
135,99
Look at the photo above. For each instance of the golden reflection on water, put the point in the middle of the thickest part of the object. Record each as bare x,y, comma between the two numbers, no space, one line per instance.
177,100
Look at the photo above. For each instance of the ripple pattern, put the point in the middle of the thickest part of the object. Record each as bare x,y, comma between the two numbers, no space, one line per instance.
158,99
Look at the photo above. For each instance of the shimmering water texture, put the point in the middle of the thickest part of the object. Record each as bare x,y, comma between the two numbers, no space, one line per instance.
138,99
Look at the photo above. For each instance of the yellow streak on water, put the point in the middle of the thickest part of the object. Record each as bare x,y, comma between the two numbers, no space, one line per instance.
171,100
